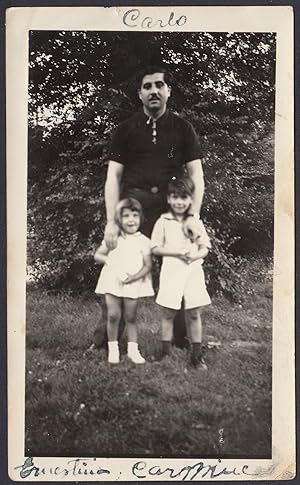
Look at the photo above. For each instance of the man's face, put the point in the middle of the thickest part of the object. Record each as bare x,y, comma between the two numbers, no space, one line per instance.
154,92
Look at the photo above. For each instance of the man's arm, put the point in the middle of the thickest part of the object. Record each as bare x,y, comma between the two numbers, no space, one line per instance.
112,188
101,254
191,225
195,172
112,197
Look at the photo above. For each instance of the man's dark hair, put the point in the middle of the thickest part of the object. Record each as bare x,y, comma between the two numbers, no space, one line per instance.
152,70
181,186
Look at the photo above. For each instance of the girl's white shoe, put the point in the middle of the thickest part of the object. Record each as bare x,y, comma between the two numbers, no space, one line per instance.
134,353
113,353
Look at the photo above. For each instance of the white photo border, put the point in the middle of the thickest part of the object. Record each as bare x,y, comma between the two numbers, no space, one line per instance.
278,19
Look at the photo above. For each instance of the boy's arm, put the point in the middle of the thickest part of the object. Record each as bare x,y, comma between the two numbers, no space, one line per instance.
201,253
168,251
143,271
159,246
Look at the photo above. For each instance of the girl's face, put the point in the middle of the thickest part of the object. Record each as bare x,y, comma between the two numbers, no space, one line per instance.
179,204
130,221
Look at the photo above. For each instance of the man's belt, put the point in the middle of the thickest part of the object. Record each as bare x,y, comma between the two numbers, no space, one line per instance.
153,189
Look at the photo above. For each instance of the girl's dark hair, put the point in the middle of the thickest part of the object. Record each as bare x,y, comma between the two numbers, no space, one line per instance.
181,186
129,203
152,70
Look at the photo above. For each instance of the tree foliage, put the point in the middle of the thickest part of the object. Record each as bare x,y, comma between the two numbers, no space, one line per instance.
82,84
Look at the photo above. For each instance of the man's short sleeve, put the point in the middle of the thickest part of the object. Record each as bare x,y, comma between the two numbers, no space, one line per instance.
118,149
158,234
192,147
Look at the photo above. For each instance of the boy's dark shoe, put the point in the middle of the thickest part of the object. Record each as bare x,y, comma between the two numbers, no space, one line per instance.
198,362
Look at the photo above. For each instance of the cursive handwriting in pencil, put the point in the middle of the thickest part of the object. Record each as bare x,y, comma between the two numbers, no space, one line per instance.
74,468
199,470
82,468
133,18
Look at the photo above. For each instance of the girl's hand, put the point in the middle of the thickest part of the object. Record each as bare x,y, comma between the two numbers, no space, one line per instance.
190,258
130,279
195,255
184,255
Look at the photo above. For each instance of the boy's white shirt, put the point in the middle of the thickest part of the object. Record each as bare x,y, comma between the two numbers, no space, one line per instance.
173,235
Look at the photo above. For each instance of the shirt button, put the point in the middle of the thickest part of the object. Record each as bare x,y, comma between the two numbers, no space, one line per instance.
154,190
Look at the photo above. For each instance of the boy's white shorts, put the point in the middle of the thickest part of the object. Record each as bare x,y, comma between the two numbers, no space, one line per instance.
179,280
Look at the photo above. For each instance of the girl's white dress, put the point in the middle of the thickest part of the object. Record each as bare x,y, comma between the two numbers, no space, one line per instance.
126,258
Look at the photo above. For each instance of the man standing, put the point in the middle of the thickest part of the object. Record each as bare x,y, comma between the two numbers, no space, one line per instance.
147,150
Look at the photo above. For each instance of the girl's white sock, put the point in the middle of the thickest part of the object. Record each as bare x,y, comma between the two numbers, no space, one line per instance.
113,352
134,353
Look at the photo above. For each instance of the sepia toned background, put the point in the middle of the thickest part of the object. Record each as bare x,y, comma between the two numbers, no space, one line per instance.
81,85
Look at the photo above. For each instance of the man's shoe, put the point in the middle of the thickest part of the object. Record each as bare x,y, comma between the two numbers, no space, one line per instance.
163,356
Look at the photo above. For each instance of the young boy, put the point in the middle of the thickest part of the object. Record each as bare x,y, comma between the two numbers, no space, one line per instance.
181,273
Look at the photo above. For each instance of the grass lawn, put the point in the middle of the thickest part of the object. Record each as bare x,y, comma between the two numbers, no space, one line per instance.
78,405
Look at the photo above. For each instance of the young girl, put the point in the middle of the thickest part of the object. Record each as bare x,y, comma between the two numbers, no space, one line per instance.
125,277
181,273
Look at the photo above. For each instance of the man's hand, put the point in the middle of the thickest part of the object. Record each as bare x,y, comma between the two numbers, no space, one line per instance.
192,228
111,234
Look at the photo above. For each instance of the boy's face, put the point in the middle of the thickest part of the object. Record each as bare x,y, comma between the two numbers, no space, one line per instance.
130,221
179,203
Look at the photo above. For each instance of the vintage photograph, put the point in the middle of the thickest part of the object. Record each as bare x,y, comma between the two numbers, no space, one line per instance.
151,165
150,243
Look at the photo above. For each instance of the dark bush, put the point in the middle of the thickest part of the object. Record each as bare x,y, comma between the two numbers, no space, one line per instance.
223,83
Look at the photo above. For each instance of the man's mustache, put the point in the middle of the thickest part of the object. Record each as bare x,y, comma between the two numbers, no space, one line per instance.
153,97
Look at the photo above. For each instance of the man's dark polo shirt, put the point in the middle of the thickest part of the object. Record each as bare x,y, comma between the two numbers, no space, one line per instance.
147,164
